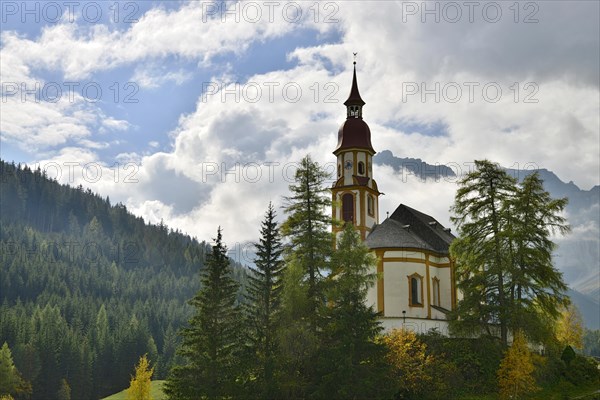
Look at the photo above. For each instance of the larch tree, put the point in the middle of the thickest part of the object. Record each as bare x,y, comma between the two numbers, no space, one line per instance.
263,304
537,289
140,384
515,375
211,341
569,329
504,254
308,229
480,250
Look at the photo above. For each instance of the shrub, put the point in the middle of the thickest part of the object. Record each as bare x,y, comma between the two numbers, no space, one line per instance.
582,370
476,360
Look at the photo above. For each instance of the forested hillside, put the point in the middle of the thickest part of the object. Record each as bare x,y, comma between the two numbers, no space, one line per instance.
86,287
89,291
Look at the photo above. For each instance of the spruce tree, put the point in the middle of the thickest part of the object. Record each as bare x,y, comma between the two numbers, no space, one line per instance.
11,382
212,339
297,344
307,228
64,392
264,304
351,363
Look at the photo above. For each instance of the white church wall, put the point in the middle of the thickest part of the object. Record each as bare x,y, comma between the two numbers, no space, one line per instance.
436,314
438,260
415,325
357,209
396,289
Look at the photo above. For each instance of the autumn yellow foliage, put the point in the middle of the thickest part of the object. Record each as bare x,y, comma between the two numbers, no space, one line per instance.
515,375
408,358
569,330
139,386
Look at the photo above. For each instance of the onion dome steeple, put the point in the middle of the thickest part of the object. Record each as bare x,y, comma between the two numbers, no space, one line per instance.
354,132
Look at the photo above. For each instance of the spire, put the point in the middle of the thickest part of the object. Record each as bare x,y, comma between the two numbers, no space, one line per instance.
354,99
354,132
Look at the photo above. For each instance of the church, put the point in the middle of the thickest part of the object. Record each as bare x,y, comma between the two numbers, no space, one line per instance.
415,286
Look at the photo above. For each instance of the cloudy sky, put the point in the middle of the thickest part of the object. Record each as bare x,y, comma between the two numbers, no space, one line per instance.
197,112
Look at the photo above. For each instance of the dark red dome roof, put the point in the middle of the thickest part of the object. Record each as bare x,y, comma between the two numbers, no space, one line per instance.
354,133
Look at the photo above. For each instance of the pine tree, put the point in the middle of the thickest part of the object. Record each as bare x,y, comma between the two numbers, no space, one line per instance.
139,386
264,303
479,209
351,363
212,339
515,375
307,228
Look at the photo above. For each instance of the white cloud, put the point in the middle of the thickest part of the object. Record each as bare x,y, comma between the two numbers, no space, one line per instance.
189,186
93,145
79,50
154,77
115,124
37,125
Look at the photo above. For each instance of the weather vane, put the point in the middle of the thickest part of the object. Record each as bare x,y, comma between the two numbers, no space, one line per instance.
355,58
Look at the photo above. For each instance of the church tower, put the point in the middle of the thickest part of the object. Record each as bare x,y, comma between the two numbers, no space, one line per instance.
355,195
415,287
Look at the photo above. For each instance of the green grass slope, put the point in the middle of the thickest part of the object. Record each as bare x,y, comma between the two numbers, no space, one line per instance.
155,391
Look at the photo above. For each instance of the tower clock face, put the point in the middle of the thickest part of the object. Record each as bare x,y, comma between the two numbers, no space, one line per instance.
348,165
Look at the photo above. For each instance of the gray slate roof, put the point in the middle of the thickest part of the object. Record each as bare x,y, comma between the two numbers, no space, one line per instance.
407,227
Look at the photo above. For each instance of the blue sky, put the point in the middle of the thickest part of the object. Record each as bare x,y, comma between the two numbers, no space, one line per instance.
443,82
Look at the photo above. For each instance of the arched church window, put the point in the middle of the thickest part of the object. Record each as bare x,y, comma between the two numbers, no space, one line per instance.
415,290
361,168
339,170
370,205
348,207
